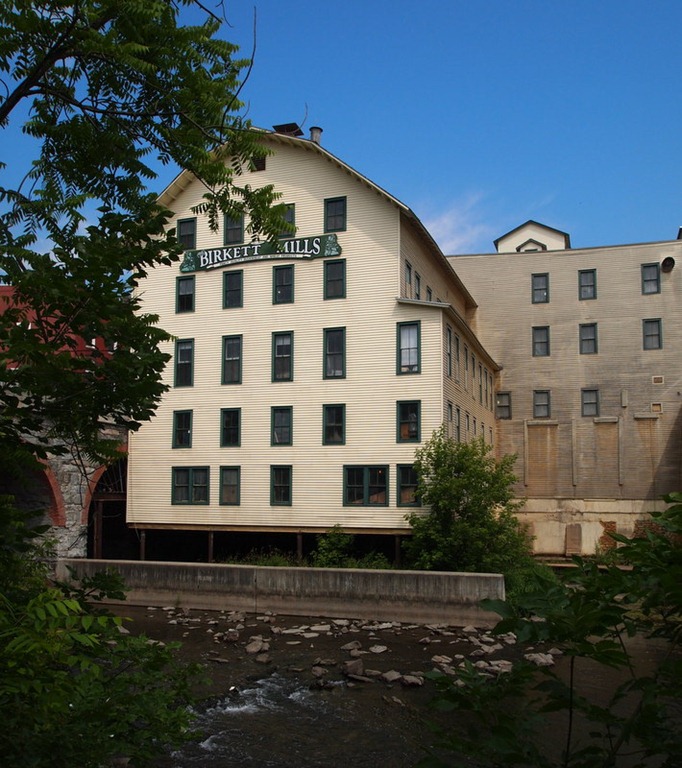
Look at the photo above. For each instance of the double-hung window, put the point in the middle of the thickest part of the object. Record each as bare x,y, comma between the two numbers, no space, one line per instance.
187,233
408,419
365,486
233,289
230,427
651,278
290,218
652,334
589,402
283,356
189,485
448,351
182,429
503,405
334,353
408,348
540,288
541,341
283,284
335,214
587,284
334,424
541,404
335,279
280,486
417,286
230,482
233,230
184,294
407,486
588,339
184,362
232,359
281,425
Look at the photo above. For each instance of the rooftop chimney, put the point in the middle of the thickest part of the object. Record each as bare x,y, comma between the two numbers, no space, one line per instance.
315,134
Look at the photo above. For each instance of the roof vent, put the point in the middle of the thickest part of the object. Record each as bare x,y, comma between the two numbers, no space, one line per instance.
667,264
288,129
315,134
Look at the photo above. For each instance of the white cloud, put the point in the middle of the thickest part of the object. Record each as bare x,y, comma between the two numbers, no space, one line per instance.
460,227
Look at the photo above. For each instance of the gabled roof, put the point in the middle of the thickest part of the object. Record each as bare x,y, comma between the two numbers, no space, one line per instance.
564,235
185,178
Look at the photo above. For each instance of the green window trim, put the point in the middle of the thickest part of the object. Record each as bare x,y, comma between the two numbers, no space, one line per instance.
230,427
651,278
233,289
334,279
283,284
290,218
408,343
184,363
233,230
185,293
182,429
230,492
335,213
407,486
540,288
408,421
587,284
334,424
186,233
281,425
334,342
281,490
283,356
232,353
365,485
190,486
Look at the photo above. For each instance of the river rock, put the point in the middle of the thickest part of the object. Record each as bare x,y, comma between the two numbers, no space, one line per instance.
540,659
412,681
353,667
255,646
391,676
378,649
354,645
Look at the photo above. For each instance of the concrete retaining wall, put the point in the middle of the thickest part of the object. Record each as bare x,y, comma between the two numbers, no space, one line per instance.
406,596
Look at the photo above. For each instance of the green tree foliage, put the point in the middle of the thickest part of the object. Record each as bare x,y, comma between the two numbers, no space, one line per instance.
591,616
75,689
104,91
470,525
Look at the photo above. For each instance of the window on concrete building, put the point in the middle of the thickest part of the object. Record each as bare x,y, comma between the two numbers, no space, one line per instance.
233,230
335,279
335,214
280,486
232,359
588,339
190,485
334,424
407,486
652,334
503,405
541,404
587,284
408,348
365,486
184,294
589,402
651,278
182,429
230,427
540,288
408,418
281,425
184,362
187,233
283,356
233,291
334,353
541,341
230,481
283,284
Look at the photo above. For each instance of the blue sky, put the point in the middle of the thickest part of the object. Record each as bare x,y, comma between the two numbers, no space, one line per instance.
481,114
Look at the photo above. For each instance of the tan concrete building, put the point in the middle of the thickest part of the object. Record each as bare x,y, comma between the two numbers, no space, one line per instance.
304,376
590,386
